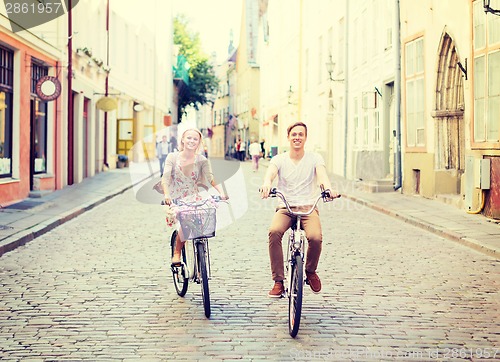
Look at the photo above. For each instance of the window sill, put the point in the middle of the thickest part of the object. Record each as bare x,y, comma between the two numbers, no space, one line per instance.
8,180
43,175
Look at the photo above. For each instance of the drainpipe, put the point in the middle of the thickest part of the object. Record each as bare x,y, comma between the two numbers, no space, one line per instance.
346,85
70,94
299,99
397,92
106,90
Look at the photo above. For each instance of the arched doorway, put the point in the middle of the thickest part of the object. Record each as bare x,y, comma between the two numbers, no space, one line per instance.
449,119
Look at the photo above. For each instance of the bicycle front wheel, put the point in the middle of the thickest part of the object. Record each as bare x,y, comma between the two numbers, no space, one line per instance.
295,295
178,272
203,278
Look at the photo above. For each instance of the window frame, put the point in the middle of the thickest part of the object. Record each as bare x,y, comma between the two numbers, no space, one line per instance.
412,78
7,88
483,50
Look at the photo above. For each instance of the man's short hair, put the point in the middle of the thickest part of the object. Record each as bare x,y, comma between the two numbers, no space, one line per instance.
295,125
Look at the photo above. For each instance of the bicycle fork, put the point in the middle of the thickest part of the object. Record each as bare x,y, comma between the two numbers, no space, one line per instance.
206,255
295,242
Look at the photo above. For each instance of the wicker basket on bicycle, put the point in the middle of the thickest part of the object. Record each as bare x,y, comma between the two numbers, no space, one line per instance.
197,222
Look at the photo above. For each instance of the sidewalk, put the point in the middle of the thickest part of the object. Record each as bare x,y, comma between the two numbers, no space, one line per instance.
32,217
22,222
448,221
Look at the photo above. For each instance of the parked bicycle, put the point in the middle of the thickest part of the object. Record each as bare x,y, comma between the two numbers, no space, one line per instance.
295,260
198,220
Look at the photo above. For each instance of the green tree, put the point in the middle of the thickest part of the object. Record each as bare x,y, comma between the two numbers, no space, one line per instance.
202,79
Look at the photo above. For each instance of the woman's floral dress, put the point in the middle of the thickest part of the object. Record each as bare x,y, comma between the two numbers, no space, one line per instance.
184,187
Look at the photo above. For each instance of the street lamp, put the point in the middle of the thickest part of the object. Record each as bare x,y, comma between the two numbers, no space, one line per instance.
330,66
488,9
138,107
290,94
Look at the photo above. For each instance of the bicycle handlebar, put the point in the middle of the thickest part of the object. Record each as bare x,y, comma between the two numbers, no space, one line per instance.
274,192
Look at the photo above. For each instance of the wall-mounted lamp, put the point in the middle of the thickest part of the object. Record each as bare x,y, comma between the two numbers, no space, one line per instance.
290,94
330,66
138,107
488,9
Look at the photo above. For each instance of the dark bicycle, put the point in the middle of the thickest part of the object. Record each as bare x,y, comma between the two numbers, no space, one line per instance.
198,222
295,260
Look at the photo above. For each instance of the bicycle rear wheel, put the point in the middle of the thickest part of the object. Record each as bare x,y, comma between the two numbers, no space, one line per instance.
179,272
295,295
204,278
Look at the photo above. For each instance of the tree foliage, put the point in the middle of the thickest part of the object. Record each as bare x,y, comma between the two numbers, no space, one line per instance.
202,79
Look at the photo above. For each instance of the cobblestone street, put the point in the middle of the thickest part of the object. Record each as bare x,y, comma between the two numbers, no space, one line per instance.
99,288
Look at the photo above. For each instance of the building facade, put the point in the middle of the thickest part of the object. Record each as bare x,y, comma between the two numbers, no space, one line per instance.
58,139
451,103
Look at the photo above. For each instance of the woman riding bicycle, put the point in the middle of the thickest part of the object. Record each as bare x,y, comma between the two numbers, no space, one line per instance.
184,171
299,172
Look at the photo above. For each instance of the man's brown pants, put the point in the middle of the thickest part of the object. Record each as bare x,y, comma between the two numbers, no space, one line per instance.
279,225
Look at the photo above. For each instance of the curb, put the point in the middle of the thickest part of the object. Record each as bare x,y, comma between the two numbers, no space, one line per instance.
466,241
31,233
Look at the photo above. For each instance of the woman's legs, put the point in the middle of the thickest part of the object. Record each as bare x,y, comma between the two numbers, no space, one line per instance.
176,258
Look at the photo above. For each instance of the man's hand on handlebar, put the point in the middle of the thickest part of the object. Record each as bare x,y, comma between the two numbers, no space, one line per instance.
329,195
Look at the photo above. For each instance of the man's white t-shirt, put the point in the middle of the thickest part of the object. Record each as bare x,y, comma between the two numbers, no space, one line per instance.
298,181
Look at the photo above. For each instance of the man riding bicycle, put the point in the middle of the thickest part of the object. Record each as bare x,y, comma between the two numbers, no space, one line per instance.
299,174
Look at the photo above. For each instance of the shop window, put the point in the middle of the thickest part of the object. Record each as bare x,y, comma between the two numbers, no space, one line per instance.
39,121
6,90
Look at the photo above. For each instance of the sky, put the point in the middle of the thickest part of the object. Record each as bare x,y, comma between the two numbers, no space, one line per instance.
213,20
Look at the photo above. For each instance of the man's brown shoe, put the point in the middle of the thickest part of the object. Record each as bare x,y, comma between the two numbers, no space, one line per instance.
314,282
277,291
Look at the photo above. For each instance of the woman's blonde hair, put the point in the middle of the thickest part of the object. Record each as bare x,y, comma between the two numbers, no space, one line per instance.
181,143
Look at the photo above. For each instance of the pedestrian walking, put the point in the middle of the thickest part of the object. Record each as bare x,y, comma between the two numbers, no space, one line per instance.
162,150
255,153
184,172
299,174
172,143
237,146
242,151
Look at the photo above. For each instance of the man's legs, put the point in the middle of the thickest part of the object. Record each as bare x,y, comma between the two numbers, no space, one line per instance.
280,223
255,159
312,228
162,163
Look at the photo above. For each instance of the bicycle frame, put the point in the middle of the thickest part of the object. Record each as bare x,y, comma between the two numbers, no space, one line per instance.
295,261
296,237
195,261
192,269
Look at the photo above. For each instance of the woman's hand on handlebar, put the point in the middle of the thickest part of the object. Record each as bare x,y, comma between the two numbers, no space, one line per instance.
264,191
168,201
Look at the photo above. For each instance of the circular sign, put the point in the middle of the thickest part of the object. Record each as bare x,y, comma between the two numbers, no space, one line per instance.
48,88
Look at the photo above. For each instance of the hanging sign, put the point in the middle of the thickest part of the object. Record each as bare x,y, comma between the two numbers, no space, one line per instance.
107,104
48,88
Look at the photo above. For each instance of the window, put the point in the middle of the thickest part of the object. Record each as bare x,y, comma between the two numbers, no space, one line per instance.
321,61
356,123
486,75
389,10
365,129
6,90
415,136
376,127
306,81
341,46
38,121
